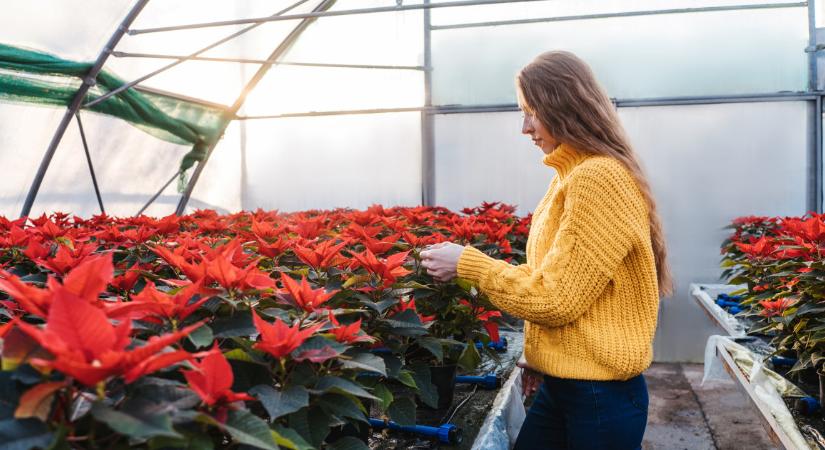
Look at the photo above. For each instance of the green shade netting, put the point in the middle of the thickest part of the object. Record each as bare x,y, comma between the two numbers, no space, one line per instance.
39,78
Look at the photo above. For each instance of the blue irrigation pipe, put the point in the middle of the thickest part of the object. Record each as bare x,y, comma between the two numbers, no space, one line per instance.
783,361
499,345
446,434
490,381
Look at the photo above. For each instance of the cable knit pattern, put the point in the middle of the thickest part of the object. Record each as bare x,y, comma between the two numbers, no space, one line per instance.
588,292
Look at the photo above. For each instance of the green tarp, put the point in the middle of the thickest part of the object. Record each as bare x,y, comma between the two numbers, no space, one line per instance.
39,78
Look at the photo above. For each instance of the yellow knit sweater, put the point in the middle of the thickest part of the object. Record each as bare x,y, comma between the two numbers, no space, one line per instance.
588,293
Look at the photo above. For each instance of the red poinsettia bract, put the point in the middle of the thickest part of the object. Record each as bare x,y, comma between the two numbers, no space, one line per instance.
307,298
279,339
212,379
86,346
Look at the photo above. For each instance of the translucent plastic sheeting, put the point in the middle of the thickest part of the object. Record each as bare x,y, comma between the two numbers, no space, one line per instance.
130,166
394,38
733,52
562,8
219,186
300,89
46,24
333,161
484,157
707,164
25,132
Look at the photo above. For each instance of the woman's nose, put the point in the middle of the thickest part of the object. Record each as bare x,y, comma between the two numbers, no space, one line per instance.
527,126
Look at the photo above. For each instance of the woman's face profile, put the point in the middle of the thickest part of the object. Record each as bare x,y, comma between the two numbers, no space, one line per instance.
533,127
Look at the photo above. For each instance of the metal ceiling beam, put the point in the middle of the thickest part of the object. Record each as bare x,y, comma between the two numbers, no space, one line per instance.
132,83
333,113
315,15
285,45
88,81
263,61
622,14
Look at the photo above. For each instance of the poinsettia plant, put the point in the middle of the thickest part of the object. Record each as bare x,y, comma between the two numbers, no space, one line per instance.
780,261
257,328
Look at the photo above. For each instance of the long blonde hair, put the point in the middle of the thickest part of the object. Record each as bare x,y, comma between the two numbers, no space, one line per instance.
562,92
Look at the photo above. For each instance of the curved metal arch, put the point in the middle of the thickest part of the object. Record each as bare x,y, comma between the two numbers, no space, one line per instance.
77,101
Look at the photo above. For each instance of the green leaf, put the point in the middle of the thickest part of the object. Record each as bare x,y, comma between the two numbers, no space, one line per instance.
343,406
24,434
311,423
406,378
246,428
188,442
469,359
239,354
348,443
238,325
402,411
281,403
384,394
133,425
464,284
426,390
433,345
340,385
202,337
289,438
366,361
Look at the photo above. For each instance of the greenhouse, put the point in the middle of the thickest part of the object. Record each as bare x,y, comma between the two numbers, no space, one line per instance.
322,224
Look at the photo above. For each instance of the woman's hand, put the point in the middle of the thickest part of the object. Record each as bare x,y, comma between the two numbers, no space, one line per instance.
441,260
531,379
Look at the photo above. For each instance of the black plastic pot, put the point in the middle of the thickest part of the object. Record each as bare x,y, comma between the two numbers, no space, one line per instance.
443,378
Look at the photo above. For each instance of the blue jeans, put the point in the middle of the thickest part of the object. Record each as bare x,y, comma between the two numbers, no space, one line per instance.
585,415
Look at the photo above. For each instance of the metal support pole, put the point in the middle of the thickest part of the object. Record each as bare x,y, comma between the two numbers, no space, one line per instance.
74,106
315,15
622,14
427,119
157,194
277,53
813,82
263,61
187,58
818,157
89,161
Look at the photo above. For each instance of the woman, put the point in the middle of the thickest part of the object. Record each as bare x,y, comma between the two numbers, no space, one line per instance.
596,267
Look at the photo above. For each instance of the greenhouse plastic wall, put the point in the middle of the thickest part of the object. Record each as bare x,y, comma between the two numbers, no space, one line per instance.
334,161
130,166
707,164
665,55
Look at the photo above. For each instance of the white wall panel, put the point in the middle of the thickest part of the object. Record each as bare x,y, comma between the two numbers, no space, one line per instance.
484,157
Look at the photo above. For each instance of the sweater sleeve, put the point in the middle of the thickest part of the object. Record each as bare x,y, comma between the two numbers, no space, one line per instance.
602,210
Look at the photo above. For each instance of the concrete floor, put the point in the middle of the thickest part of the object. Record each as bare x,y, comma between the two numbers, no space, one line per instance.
683,414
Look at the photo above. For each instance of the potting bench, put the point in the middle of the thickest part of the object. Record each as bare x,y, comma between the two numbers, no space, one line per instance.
705,296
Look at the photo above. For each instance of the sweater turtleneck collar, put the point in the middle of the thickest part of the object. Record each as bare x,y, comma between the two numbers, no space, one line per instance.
564,159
